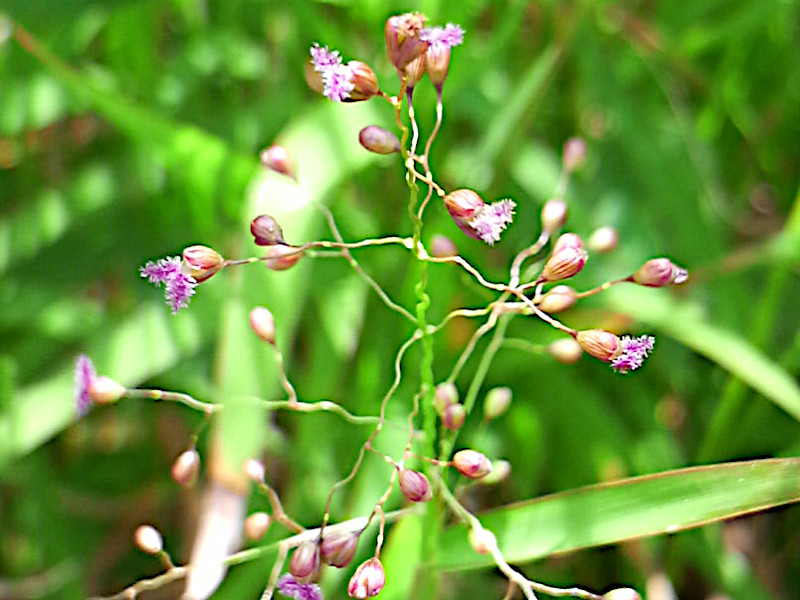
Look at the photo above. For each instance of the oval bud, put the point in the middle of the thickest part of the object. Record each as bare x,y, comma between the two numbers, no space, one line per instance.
603,240
463,203
568,240
574,153
378,140
254,470
554,215
601,344
402,38
443,247
202,261
148,539
186,467
482,540
337,549
565,263
444,395
263,324
565,350
256,525
414,71
437,63
365,83
622,594
368,580
454,416
104,390
280,257
497,402
472,464
415,486
305,563
277,158
658,272
266,231
558,299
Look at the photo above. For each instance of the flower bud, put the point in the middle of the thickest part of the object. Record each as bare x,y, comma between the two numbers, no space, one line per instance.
574,153
378,140
437,63
414,71
482,540
368,580
402,38
472,464
500,470
658,272
277,158
497,402
565,350
454,416
603,240
202,261
554,215
558,299
444,395
564,264
281,257
601,344
104,390
443,247
148,539
337,549
365,83
266,231
186,467
415,486
622,594
263,324
254,469
463,203
568,240
256,525
305,564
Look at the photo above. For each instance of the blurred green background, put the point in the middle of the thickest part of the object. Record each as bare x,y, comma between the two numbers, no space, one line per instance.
139,136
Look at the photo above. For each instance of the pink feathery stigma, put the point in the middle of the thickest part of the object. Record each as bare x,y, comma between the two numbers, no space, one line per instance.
451,35
492,219
288,586
178,287
84,375
634,351
336,78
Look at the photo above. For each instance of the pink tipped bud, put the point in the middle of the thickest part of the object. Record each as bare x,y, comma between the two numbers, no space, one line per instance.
443,247
472,464
482,540
337,549
463,203
379,140
601,344
415,486
186,467
148,539
254,470
558,299
603,240
554,215
365,83
437,63
305,563
402,38
266,231
574,154
414,71
280,257
368,580
202,262
263,324
104,390
563,264
658,272
454,416
497,402
565,350
444,395
622,594
278,159
568,240
256,525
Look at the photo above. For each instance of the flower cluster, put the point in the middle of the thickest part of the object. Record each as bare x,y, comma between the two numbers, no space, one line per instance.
291,588
178,287
634,351
337,79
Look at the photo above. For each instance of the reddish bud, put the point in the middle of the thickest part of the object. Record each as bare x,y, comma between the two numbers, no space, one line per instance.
104,390
558,299
202,262
564,263
365,83
281,257
368,580
568,240
601,344
574,154
379,140
266,231
444,395
554,215
565,350
148,539
454,416
437,63
463,203
263,324
186,467
472,464
415,486
402,38
338,548
414,71
256,525
603,240
305,563
497,402
277,158
443,247
658,272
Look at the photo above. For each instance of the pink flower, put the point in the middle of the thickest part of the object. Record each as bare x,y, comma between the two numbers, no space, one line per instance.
85,374
288,586
337,79
490,221
448,36
634,351
178,287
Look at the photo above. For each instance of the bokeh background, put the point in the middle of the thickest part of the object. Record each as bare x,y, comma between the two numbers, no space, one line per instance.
130,129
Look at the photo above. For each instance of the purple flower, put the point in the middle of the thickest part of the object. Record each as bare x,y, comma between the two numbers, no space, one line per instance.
291,588
449,36
85,374
337,79
634,351
178,287
491,219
